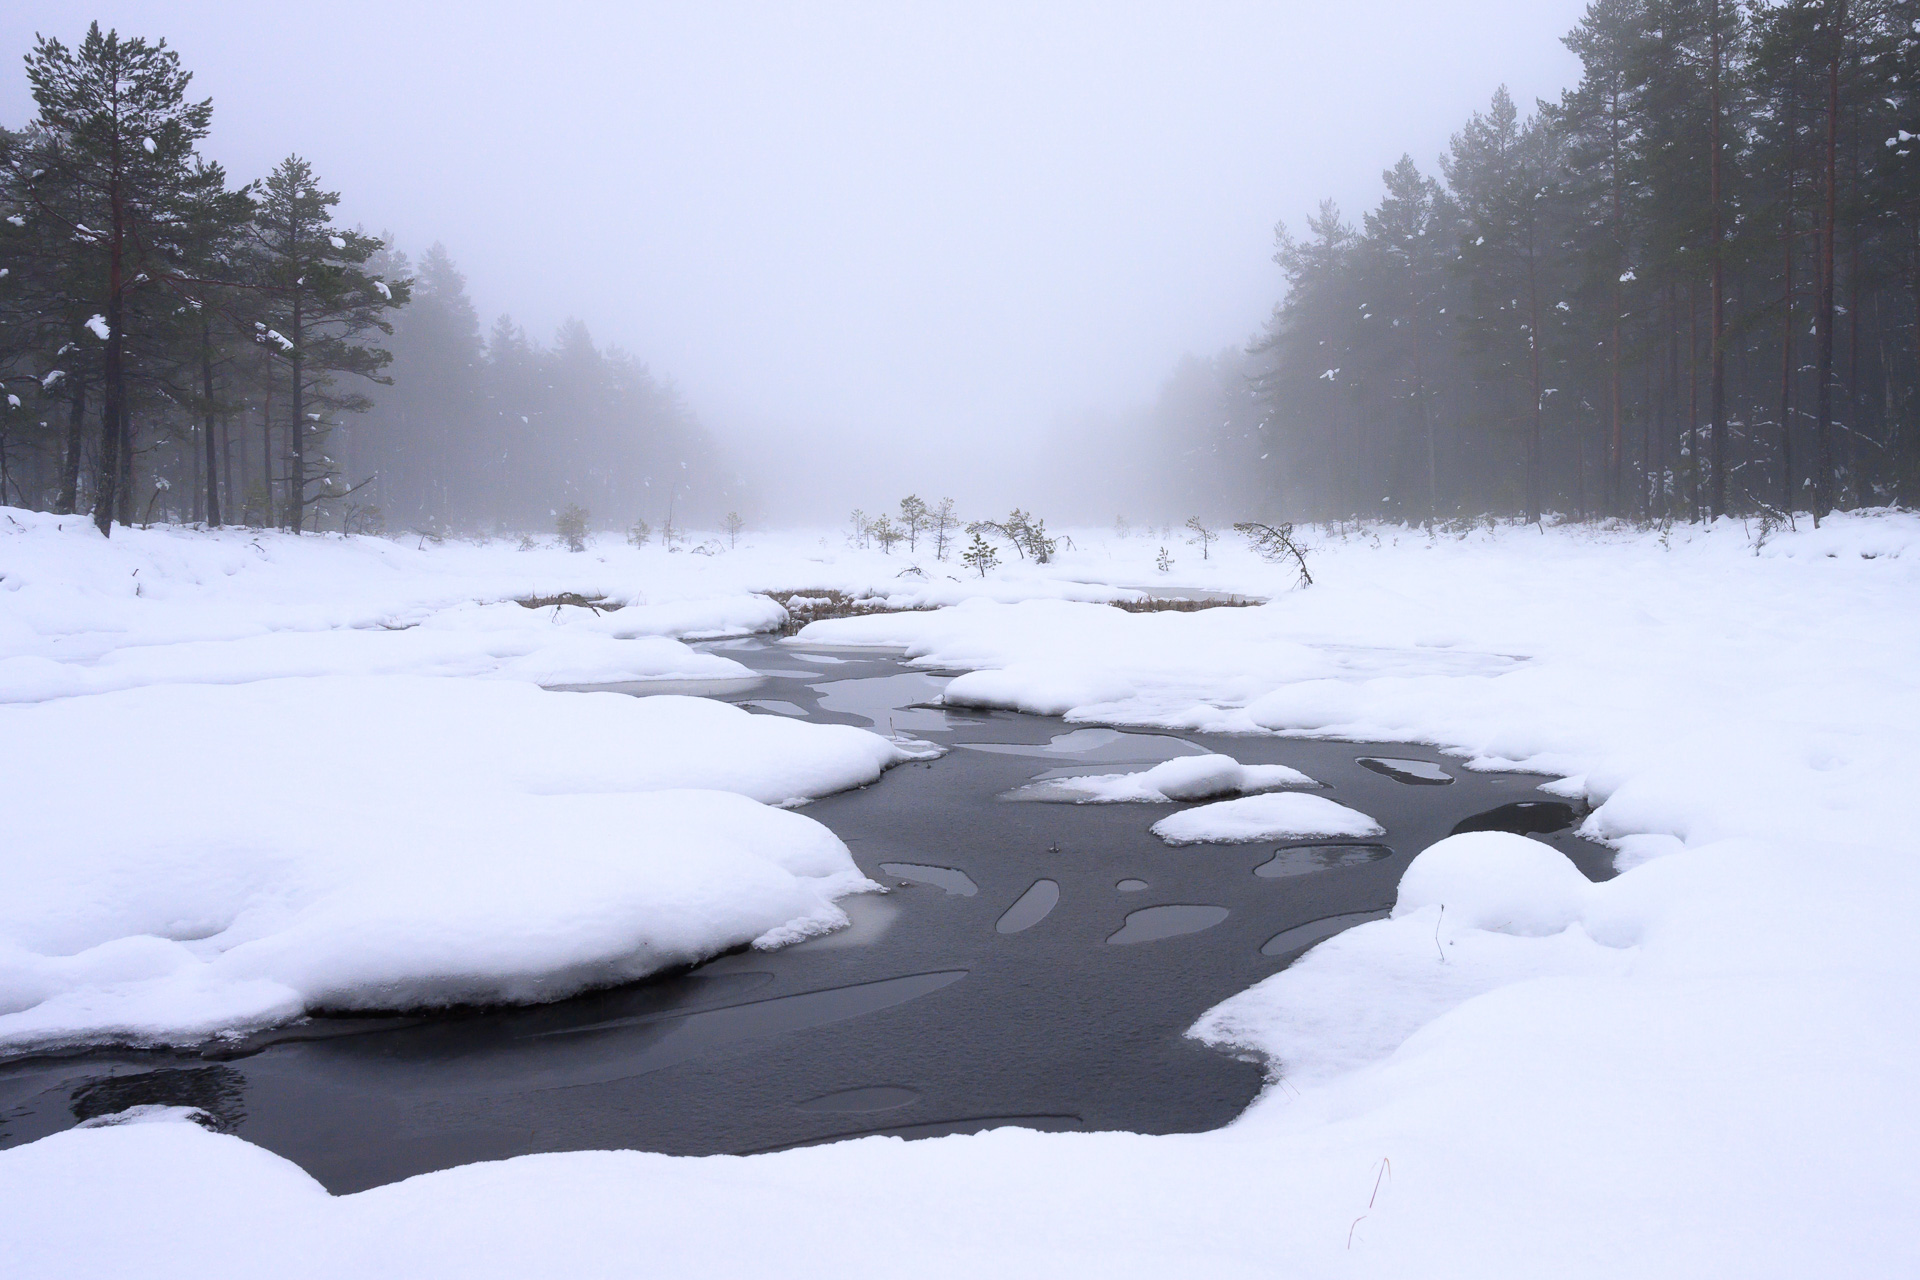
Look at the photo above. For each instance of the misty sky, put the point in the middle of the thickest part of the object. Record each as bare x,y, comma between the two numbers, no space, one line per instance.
860,223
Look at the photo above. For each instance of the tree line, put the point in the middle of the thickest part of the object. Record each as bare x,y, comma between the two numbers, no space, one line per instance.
499,432
1690,287
174,346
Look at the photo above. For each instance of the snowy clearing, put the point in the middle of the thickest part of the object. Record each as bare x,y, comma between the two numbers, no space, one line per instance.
1700,1067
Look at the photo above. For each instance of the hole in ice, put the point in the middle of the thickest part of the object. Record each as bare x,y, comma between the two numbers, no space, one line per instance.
1522,817
1302,936
879,1097
1419,773
218,1091
948,878
776,706
1151,924
1100,746
1131,886
884,701
1032,907
1306,859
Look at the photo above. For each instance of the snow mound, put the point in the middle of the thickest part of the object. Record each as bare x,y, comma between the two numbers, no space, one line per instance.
1041,689
393,842
1185,778
1475,913
1283,816
1496,881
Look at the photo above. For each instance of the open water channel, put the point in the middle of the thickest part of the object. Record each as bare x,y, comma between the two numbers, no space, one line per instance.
1034,964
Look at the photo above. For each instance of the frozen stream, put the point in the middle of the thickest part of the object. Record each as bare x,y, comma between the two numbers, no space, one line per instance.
1035,964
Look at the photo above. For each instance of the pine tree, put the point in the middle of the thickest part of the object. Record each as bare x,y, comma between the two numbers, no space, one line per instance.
1502,172
321,309
112,167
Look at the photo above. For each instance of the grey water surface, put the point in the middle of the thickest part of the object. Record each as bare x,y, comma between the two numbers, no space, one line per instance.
1031,964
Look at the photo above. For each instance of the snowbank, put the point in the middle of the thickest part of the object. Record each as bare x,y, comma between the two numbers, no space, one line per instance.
232,856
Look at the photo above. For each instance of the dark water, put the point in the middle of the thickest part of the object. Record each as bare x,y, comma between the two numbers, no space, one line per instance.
1036,964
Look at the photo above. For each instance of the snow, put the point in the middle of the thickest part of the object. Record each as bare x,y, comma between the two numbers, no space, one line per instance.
1701,1067
1285,816
1188,778
1498,882
387,842
97,324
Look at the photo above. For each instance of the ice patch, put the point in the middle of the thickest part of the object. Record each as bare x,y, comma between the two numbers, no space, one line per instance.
1153,924
1033,906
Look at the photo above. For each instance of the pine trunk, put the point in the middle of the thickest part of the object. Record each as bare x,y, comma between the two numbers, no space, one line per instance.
1823,312
206,423
1786,339
70,465
1534,434
112,373
1717,395
266,442
297,432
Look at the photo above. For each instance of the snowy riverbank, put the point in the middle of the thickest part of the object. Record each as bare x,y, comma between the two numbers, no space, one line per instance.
1700,1067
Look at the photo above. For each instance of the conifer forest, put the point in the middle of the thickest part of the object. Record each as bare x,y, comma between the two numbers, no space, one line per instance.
180,347
1688,287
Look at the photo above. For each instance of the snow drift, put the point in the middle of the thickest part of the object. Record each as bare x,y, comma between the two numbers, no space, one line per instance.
233,856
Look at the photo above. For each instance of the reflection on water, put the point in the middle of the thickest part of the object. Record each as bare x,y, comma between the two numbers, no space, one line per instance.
1098,746
1306,859
216,1090
1522,818
886,702
1413,772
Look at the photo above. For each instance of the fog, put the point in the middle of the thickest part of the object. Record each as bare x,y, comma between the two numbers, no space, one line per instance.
877,247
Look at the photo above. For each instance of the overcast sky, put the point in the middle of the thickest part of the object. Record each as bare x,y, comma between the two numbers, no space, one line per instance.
878,224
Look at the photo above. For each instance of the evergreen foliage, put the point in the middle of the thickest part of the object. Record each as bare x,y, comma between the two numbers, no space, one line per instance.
170,344
1690,286
980,555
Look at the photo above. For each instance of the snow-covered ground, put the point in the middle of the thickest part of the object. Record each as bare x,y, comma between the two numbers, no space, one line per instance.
1702,1067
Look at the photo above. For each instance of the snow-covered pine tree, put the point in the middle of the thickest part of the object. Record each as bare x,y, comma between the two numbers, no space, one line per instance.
320,309
111,167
